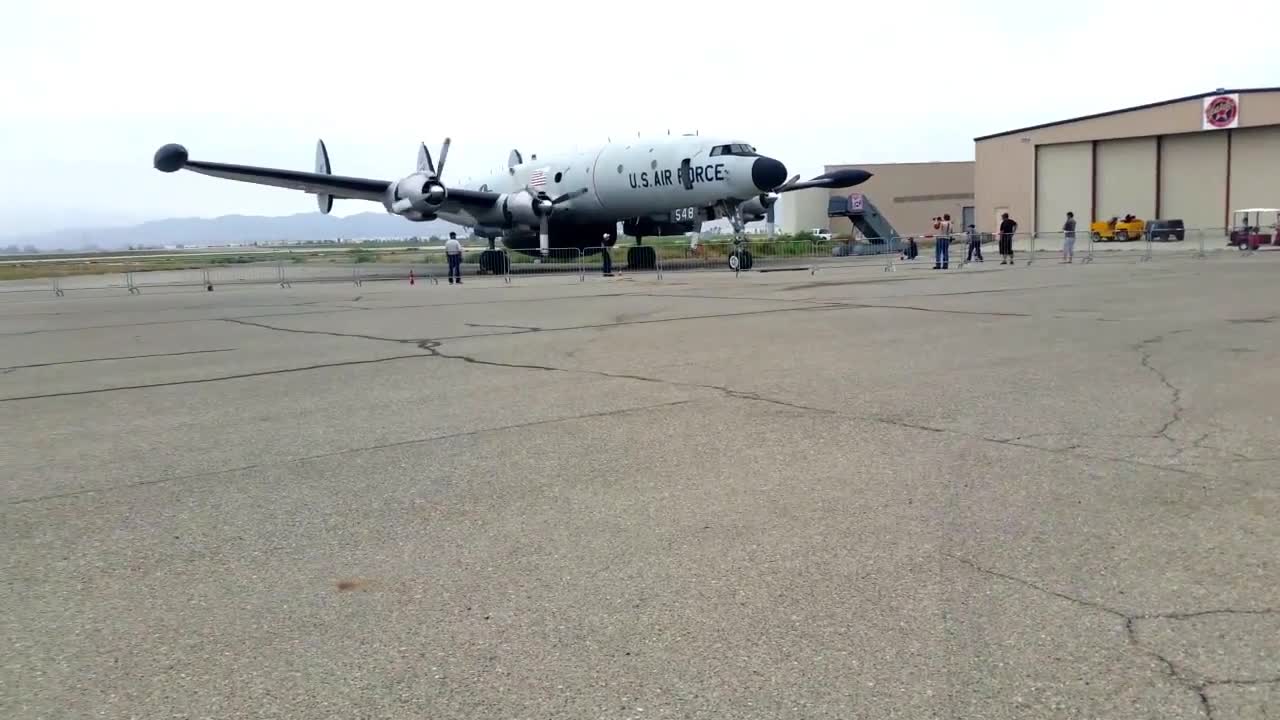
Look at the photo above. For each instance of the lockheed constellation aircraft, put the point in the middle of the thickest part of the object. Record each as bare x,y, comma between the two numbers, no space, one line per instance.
655,187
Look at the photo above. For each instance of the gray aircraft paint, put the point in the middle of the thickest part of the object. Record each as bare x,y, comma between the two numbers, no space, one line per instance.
610,171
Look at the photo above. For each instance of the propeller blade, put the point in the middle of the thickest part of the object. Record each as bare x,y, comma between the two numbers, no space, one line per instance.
424,160
570,195
444,153
788,183
832,181
544,236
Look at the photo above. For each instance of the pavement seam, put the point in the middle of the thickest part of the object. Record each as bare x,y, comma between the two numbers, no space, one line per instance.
220,378
117,357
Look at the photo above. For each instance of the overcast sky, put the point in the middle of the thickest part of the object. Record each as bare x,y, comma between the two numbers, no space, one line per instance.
91,89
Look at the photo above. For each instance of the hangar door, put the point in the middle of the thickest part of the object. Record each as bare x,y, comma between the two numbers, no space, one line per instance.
1255,168
1193,178
1126,177
1064,178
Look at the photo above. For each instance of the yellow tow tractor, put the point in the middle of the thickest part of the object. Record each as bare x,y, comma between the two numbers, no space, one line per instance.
1122,229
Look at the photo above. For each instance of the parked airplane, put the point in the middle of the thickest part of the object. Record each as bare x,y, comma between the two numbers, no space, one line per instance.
664,186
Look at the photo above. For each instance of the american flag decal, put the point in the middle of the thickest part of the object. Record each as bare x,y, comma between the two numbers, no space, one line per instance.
538,178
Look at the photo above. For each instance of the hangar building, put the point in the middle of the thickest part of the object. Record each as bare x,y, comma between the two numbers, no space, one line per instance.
1194,158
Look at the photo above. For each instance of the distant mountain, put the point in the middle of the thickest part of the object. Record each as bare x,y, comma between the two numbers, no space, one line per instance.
235,229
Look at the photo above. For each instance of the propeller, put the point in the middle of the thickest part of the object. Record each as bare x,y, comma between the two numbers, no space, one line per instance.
544,206
433,189
424,159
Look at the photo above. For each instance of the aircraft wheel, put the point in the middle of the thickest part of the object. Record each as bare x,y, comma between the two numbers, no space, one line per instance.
641,257
494,261
740,260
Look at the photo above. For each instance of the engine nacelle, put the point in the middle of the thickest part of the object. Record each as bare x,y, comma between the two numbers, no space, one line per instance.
758,206
418,193
521,208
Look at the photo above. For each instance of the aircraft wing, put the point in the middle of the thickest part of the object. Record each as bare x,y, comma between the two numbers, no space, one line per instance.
172,158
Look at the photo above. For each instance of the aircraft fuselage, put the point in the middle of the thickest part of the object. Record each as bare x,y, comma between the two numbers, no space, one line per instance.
670,176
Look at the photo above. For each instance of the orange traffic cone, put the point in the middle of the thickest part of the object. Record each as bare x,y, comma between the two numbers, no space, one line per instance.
410,276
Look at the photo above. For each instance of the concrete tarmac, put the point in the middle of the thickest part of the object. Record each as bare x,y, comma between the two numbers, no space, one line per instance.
996,492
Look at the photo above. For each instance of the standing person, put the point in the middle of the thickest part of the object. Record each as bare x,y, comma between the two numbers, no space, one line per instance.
1007,228
453,253
942,242
975,245
1069,237
606,256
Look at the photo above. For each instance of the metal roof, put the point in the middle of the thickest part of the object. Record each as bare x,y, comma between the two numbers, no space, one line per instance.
1197,96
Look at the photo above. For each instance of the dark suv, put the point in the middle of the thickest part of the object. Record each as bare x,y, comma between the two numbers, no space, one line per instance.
1166,229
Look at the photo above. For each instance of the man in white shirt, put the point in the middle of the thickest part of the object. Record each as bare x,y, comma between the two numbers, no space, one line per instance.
942,242
453,253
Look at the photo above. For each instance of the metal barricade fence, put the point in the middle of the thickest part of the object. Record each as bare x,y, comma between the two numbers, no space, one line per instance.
657,255
566,261
625,259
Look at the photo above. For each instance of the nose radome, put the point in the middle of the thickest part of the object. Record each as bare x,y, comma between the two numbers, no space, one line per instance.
768,173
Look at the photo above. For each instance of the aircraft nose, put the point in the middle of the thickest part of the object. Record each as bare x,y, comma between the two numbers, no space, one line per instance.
768,173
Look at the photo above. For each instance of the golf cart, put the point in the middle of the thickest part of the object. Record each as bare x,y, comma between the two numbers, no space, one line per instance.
1247,227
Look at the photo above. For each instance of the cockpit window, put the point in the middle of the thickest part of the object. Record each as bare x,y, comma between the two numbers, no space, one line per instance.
734,149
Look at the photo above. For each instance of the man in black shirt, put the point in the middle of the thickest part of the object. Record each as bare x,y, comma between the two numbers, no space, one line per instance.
1007,228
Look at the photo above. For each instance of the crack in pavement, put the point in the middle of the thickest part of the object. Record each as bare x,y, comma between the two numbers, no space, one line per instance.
348,451
1198,685
334,310
432,347
570,328
1174,390
422,344
200,381
11,368
526,328
264,326
1178,410
937,310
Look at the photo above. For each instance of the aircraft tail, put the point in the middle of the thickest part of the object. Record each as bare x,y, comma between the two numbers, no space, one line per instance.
322,167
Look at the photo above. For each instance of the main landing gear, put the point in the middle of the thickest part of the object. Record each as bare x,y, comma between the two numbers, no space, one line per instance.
739,256
494,260
641,257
